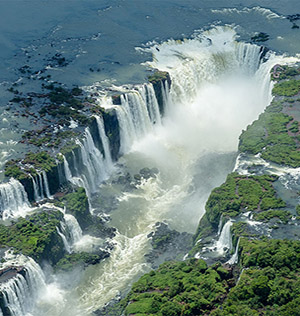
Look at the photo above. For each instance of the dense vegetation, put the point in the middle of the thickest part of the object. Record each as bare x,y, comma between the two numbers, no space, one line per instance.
35,236
37,161
269,284
276,134
179,288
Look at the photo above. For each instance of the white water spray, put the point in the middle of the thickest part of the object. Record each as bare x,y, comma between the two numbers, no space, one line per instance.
217,90
235,257
13,200
224,242
137,115
21,291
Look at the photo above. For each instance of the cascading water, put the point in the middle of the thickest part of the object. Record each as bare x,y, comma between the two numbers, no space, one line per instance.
216,91
235,257
74,228
35,189
137,114
220,224
224,242
40,183
218,88
76,180
105,143
46,185
13,199
21,291
40,186
93,171
62,232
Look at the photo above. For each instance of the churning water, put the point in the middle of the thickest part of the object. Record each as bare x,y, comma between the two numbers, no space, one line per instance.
219,86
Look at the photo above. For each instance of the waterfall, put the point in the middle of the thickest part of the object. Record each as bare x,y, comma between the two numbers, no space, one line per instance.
46,185
20,292
225,239
73,227
70,231
40,182
40,186
248,56
147,93
63,234
13,199
105,143
77,181
35,189
235,257
220,224
92,160
137,114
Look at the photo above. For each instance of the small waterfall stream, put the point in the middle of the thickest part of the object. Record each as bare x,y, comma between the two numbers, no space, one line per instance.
46,185
235,257
105,142
40,186
224,242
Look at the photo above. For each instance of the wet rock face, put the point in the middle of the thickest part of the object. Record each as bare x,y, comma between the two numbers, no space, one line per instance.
10,272
5,275
168,245
112,130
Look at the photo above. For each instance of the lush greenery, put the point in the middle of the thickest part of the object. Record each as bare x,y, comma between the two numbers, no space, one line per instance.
38,161
237,195
284,72
35,236
269,285
242,193
77,204
179,288
287,88
269,135
12,169
282,215
275,134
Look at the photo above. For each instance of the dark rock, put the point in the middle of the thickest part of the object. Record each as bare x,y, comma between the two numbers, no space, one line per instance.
168,244
160,79
112,130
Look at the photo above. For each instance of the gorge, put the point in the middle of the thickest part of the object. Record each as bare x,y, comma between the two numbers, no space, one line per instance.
84,202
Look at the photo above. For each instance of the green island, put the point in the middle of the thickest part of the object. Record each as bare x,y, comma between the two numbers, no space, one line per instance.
237,195
35,236
265,282
275,135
